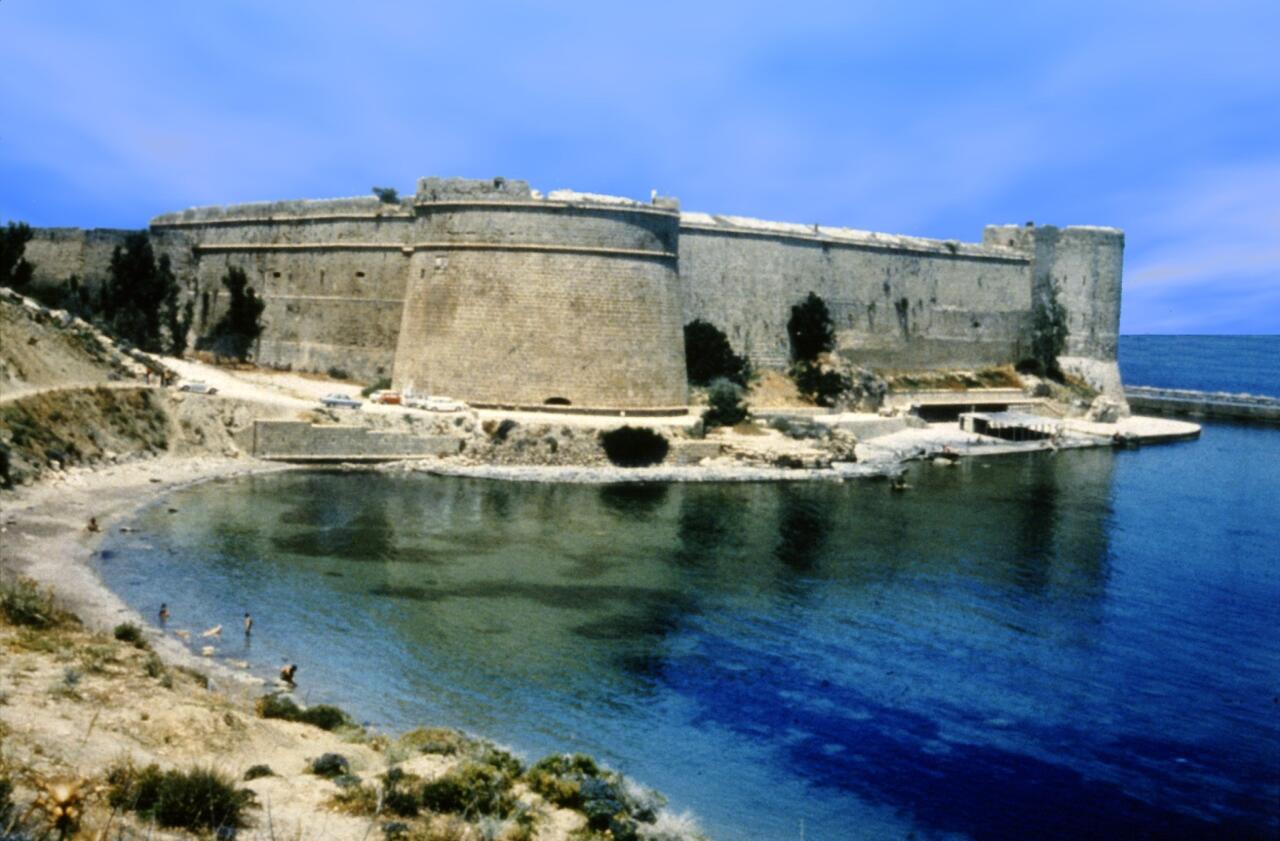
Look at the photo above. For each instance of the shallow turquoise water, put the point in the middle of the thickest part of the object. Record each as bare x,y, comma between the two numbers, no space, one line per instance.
1069,646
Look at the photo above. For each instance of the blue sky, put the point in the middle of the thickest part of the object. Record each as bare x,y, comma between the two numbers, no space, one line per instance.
930,118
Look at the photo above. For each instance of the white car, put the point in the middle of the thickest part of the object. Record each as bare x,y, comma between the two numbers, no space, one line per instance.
435,403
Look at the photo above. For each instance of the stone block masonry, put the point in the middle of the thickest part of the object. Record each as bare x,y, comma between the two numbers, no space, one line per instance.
531,302
488,291
305,442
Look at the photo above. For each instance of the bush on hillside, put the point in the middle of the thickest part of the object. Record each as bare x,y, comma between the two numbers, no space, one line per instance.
471,789
324,716
198,800
130,633
23,603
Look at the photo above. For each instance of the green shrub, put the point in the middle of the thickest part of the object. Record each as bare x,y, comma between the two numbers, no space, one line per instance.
324,716
559,778
821,385
379,384
130,633
337,373
154,666
387,195
726,406
256,771
709,356
200,799
437,740
470,790
810,329
330,765
631,446
23,603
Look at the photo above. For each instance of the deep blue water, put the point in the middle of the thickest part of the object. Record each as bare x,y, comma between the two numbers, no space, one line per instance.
1080,645
1238,364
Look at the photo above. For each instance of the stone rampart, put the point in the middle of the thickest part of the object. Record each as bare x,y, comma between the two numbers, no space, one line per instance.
492,292
897,302
1083,266
521,300
331,273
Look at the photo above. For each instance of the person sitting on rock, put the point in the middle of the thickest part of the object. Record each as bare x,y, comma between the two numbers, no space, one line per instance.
287,673
93,524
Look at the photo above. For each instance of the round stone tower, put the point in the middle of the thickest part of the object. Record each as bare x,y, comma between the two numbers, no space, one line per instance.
514,299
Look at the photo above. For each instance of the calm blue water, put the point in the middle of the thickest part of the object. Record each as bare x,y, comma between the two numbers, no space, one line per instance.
1239,364
1074,646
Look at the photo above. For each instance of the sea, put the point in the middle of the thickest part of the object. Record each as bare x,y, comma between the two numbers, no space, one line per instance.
1075,645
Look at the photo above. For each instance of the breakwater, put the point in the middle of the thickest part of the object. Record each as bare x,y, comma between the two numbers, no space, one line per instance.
1205,404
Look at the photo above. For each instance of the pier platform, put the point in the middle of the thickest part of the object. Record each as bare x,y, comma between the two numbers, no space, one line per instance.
1203,404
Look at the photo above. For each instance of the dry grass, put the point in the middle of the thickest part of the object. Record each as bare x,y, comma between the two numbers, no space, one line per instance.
1000,376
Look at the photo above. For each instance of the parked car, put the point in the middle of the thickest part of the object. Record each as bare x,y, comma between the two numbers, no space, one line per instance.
197,387
436,403
340,401
385,396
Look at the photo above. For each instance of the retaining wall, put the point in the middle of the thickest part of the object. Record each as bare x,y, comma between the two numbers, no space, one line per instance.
302,441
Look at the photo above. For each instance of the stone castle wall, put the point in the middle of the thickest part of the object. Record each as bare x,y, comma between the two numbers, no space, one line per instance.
897,302
62,253
332,274
491,292
1082,266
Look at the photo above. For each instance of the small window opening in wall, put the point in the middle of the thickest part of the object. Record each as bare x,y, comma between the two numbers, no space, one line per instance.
422,272
359,274
275,274
557,401
499,182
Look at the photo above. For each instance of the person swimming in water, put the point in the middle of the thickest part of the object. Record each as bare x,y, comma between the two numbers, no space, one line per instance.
287,673
164,612
248,624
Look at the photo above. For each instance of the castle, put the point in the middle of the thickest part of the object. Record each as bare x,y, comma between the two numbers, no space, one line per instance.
490,292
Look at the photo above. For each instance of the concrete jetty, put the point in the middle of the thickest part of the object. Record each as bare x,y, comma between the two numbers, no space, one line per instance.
1204,404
